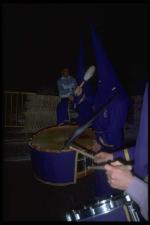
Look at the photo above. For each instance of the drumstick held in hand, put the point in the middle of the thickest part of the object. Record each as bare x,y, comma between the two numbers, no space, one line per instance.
125,167
100,167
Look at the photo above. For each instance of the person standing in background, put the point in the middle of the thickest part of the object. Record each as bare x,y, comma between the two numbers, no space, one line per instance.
66,85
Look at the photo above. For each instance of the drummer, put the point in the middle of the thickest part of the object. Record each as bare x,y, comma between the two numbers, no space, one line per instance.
108,130
134,183
66,85
108,127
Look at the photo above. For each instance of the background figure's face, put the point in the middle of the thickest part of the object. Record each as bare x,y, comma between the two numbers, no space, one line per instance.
65,72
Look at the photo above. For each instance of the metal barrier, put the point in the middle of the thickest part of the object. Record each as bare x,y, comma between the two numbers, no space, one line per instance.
19,107
40,112
30,109
14,103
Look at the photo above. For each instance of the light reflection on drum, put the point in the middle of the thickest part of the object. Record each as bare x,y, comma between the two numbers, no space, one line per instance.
55,166
116,208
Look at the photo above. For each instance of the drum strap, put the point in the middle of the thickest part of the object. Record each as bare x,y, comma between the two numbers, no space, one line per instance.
127,157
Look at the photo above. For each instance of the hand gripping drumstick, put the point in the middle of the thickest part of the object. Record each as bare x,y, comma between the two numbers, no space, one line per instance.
100,166
88,74
125,166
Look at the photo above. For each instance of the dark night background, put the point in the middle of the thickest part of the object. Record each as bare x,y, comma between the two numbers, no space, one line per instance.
38,39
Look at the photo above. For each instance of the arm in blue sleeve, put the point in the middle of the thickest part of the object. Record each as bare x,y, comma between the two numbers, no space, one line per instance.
127,154
112,130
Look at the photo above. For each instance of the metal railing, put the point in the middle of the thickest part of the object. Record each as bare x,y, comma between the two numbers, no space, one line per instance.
18,107
14,107
16,104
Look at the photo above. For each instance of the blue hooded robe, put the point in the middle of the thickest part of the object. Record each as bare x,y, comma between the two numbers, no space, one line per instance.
109,127
139,152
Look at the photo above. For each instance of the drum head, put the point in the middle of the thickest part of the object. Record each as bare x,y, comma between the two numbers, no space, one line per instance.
53,138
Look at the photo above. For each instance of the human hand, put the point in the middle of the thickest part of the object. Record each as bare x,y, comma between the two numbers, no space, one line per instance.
119,175
96,146
78,91
103,157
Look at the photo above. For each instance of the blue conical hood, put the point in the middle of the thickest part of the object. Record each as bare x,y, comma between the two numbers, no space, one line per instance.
107,78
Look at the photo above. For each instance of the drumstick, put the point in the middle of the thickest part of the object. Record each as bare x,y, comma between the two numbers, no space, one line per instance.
125,167
82,152
100,167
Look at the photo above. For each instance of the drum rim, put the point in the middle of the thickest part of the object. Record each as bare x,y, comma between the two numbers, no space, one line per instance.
47,150
35,147
103,207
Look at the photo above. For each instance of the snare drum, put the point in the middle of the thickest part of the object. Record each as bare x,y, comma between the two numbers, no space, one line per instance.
55,166
113,209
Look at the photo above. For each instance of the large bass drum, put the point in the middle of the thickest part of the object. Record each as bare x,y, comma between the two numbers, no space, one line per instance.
56,166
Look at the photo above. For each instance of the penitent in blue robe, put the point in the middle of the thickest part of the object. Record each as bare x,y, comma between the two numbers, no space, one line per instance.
109,126
139,152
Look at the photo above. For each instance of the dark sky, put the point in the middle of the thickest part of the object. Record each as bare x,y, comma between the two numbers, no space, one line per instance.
38,39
